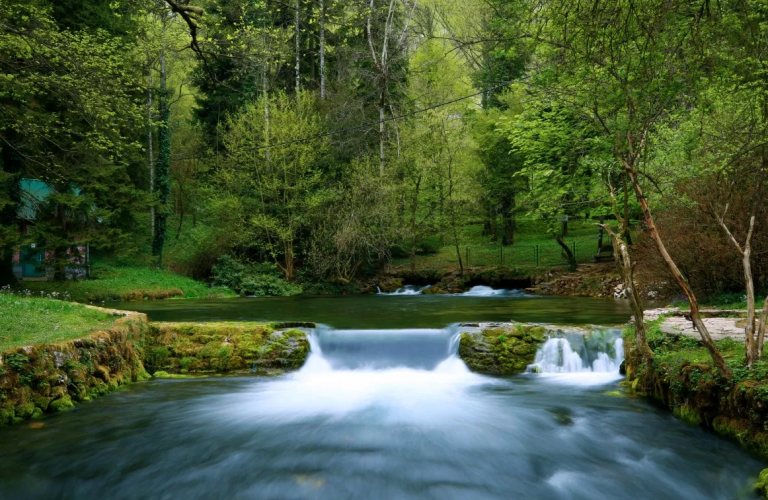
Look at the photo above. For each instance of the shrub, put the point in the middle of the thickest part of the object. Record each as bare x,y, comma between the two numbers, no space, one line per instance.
260,279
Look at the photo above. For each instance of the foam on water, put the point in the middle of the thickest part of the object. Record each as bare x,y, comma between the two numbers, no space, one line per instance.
557,361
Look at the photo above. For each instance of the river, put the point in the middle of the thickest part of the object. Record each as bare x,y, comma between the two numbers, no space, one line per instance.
383,409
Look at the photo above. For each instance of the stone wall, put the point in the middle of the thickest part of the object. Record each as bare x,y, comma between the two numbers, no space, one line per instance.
35,380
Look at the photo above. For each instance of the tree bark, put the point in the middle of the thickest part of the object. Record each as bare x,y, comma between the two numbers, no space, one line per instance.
627,270
322,49
298,51
414,208
150,145
750,347
163,165
568,253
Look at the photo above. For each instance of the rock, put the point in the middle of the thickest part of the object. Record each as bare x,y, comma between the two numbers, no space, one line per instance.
761,486
501,351
62,404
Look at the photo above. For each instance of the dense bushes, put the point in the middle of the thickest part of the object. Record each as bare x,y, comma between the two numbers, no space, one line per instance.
251,279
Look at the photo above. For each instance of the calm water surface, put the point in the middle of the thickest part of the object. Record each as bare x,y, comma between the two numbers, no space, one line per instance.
392,311
379,411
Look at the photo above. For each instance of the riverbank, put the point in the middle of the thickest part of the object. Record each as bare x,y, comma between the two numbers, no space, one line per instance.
49,368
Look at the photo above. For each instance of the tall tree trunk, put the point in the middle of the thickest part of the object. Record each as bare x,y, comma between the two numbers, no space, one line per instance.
266,111
381,130
414,208
298,51
163,166
627,270
150,145
750,347
9,218
322,49
706,339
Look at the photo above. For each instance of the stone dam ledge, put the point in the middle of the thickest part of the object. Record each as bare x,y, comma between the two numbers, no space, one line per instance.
49,378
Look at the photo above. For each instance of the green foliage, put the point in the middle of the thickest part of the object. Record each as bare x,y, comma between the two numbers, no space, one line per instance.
252,279
16,361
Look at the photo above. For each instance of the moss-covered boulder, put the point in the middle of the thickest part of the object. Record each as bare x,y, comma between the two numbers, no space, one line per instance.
199,348
501,351
761,486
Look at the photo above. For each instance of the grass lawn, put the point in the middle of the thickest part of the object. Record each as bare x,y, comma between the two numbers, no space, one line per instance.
126,283
533,248
30,321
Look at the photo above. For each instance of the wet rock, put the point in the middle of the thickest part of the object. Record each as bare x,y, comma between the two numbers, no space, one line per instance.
501,351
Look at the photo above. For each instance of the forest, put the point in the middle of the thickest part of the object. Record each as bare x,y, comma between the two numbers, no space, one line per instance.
308,141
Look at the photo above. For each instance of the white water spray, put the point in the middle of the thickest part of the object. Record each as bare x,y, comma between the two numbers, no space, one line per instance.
557,356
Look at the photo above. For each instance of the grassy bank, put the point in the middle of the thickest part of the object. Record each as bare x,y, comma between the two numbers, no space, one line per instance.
31,321
127,283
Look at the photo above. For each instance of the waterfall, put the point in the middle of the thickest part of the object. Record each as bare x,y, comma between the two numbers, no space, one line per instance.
558,356
413,348
406,290
475,291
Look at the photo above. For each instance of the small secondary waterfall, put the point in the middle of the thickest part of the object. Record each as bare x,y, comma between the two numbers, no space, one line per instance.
558,356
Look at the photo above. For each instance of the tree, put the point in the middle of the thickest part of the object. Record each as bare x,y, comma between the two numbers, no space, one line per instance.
277,197
626,66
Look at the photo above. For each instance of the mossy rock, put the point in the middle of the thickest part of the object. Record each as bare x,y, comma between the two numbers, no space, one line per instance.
25,411
62,404
501,351
761,486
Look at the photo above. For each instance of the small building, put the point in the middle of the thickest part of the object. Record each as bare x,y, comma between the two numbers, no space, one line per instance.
29,259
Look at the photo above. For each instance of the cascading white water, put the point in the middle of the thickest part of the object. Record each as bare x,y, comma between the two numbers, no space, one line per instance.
406,290
475,291
557,356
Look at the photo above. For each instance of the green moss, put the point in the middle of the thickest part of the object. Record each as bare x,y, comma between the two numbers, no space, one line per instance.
501,351
761,486
162,374
688,414
6,416
62,404
25,411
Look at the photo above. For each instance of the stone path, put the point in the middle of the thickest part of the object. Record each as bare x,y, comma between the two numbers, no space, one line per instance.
719,327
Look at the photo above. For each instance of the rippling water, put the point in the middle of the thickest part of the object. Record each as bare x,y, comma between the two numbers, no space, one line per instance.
374,415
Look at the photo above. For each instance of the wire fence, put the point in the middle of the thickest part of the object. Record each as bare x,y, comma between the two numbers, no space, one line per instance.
542,254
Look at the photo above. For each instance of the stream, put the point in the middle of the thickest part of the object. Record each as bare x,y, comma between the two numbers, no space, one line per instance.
382,409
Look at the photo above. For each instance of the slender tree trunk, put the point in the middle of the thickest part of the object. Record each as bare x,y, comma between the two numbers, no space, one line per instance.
627,270
266,111
706,339
9,218
163,165
322,49
298,51
381,130
568,253
750,347
414,208
150,145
